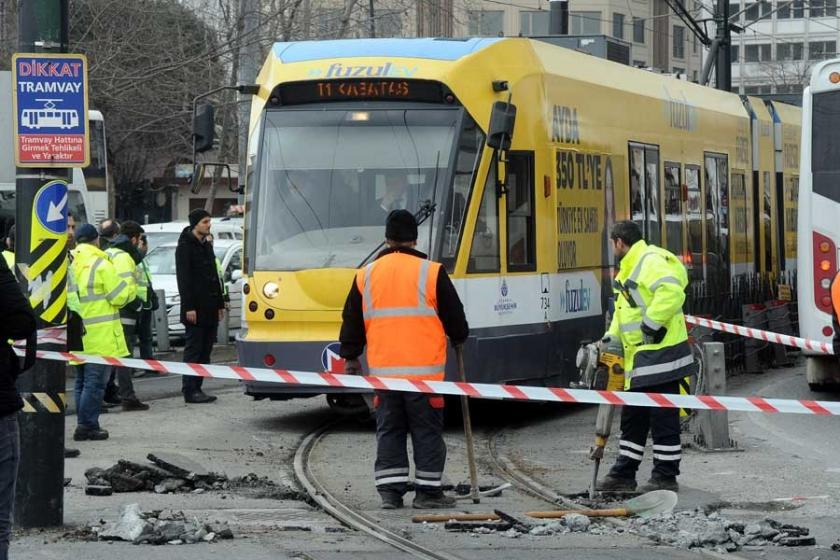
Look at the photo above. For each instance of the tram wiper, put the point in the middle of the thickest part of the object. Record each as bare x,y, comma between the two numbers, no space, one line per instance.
427,208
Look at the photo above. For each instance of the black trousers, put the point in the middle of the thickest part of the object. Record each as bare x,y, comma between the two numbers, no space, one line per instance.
397,415
144,334
664,426
199,344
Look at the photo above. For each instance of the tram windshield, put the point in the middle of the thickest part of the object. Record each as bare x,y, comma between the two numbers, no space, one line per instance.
328,179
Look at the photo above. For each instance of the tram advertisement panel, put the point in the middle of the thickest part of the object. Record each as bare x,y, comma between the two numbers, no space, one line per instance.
581,178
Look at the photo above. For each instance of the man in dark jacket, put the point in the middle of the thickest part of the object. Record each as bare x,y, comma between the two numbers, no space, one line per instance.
18,323
391,311
202,301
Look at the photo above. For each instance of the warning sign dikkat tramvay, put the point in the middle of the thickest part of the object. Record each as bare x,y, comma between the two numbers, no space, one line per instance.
50,110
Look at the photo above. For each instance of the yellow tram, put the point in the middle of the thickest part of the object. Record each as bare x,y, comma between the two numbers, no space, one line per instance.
343,131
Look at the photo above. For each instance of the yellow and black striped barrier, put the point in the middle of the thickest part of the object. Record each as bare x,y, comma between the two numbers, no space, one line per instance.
52,403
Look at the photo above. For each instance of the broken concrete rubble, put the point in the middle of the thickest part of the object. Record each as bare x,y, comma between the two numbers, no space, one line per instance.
184,477
159,527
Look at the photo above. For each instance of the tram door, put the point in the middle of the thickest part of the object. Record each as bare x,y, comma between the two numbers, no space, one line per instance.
645,207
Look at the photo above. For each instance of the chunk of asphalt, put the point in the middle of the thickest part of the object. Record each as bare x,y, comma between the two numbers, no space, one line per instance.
180,466
98,490
798,541
518,522
469,526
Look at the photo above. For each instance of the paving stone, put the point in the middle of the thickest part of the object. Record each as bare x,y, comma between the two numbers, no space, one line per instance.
179,465
98,490
129,527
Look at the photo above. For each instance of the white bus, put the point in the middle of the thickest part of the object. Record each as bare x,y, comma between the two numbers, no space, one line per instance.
95,178
818,230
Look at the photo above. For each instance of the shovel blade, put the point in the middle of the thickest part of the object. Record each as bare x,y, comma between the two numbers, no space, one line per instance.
653,503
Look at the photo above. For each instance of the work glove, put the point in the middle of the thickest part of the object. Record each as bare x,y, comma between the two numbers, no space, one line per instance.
353,367
653,336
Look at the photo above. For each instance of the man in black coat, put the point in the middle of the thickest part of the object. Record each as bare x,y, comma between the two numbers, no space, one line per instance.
18,323
202,301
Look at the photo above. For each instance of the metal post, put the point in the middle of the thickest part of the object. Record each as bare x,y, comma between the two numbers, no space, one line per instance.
468,433
372,19
249,65
714,424
161,323
723,65
39,499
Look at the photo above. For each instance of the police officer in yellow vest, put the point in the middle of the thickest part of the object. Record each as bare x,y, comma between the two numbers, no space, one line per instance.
650,291
101,294
124,255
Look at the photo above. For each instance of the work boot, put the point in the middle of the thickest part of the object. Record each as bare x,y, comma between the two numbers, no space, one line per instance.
88,434
111,398
391,500
130,405
612,483
199,397
660,483
432,501
70,453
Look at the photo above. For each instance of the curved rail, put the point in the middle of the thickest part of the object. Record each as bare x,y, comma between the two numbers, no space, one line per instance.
346,515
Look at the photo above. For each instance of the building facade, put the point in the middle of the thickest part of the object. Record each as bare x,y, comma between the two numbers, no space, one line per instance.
659,39
782,41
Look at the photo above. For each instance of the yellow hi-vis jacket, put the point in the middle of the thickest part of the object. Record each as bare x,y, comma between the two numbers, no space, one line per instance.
650,289
10,259
101,293
126,270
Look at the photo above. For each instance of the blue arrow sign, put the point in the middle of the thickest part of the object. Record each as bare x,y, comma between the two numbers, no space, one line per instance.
51,207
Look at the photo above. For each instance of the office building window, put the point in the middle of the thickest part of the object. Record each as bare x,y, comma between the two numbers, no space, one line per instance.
751,12
679,71
823,8
757,53
639,30
756,90
585,23
789,51
679,41
795,10
733,52
533,22
618,26
789,88
818,50
486,23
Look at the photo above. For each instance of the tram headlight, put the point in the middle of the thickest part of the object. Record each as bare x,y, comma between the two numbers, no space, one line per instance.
271,290
825,265
834,77
825,283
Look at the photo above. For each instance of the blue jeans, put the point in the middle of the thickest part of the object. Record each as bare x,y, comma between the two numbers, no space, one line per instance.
9,459
90,388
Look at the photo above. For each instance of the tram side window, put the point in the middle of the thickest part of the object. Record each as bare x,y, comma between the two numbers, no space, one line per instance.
469,147
644,191
484,253
694,210
673,209
716,216
765,220
520,214
739,229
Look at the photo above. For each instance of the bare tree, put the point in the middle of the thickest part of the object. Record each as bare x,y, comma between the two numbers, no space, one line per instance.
787,76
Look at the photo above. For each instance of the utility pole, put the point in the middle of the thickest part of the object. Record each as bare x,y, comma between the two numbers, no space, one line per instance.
723,36
372,19
249,59
39,500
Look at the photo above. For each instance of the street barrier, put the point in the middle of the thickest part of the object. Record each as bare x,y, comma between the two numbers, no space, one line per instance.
776,338
475,390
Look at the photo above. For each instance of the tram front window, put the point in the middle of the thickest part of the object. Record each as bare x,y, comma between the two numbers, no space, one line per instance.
328,179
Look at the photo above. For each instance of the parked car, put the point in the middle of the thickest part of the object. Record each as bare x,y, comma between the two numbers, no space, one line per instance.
161,262
168,232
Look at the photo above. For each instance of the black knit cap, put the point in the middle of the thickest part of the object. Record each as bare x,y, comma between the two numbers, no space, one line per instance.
401,226
197,215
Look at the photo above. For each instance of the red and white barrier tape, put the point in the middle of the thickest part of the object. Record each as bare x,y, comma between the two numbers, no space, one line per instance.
477,390
767,336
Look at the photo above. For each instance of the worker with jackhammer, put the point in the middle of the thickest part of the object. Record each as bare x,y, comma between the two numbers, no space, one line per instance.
648,320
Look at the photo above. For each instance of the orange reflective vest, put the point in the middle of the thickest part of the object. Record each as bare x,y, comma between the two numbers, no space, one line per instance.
405,337
835,296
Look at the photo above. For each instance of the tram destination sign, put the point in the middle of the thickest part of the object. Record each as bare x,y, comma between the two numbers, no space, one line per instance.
295,93
50,101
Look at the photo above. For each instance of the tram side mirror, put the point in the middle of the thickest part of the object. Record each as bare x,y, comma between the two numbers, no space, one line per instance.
220,174
204,128
502,120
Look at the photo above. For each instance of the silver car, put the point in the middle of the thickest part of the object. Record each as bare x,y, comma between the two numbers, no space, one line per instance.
161,263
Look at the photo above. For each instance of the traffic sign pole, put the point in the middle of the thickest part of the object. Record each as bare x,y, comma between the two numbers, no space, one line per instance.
41,258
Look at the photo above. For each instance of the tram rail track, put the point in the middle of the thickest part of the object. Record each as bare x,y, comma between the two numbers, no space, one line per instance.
342,512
